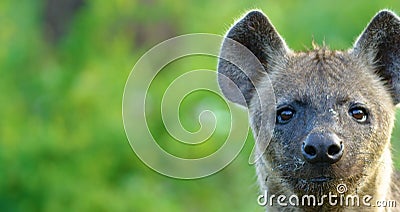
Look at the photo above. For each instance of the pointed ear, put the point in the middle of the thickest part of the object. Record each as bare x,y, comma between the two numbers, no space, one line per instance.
251,47
379,45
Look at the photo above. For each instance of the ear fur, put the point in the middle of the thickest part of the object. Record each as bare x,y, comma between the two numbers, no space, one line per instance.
379,45
256,34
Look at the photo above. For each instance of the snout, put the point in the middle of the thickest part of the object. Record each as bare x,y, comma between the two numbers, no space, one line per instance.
322,148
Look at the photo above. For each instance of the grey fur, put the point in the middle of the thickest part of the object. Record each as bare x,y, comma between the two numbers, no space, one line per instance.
322,86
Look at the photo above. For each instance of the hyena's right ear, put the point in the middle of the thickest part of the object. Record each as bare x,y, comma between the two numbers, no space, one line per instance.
379,46
253,45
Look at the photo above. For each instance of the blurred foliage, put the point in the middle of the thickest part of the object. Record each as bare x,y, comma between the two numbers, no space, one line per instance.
62,142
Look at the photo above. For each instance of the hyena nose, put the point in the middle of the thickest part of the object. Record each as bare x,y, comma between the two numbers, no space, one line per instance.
322,148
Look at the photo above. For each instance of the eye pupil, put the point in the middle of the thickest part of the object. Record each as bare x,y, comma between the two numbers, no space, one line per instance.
359,114
284,115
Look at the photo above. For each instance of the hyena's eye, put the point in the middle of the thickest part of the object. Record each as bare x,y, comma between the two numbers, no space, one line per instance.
284,115
358,113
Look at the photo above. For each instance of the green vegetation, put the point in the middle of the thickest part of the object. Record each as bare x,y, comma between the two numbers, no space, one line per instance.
62,141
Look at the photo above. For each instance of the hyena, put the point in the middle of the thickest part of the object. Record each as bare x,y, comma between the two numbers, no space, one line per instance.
335,112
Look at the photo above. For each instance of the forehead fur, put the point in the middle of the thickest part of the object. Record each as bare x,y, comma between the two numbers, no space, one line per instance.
314,76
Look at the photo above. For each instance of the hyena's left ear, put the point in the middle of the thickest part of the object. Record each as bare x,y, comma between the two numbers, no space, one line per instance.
379,45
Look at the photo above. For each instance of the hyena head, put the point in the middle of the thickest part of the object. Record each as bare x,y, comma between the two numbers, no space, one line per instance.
334,109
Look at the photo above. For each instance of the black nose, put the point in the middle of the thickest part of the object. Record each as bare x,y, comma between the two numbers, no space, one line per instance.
322,148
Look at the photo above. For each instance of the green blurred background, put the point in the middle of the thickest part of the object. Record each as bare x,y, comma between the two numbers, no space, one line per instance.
63,67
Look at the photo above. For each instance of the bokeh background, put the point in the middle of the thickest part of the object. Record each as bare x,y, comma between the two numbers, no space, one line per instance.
63,67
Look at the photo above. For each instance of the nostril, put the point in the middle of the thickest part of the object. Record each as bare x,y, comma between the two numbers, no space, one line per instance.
334,149
322,149
310,150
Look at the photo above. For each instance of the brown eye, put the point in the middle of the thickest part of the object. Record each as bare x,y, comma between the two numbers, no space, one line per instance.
284,115
359,114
